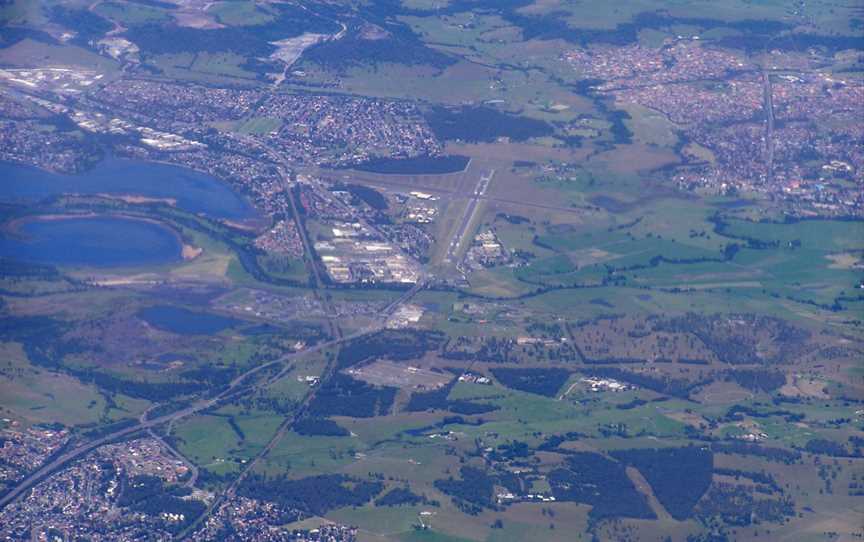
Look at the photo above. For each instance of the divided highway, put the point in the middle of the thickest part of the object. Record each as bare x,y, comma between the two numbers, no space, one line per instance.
234,386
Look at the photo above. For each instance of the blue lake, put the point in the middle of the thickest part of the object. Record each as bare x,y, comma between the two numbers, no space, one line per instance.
193,191
99,241
184,321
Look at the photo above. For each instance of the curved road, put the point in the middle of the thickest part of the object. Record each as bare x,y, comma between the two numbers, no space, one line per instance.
36,476
235,385
287,423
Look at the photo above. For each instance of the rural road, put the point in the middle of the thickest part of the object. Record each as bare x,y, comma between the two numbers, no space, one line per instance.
144,423
81,450
286,424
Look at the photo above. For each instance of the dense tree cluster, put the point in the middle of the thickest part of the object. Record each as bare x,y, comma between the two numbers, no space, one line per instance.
344,396
823,446
733,338
392,344
553,441
313,495
437,400
399,496
148,495
757,379
398,44
369,196
475,488
593,479
510,451
87,24
472,123
545,382
738,413
489,349
780,455
764,478
737,505
324,427
678,476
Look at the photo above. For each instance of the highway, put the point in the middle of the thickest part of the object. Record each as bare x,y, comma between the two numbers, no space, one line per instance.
145,423
389,309
308,254
301,229
281,167
240,384
286,424
236,386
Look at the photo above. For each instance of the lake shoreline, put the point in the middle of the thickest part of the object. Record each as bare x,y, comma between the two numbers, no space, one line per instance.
188,251
161,244
134,182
